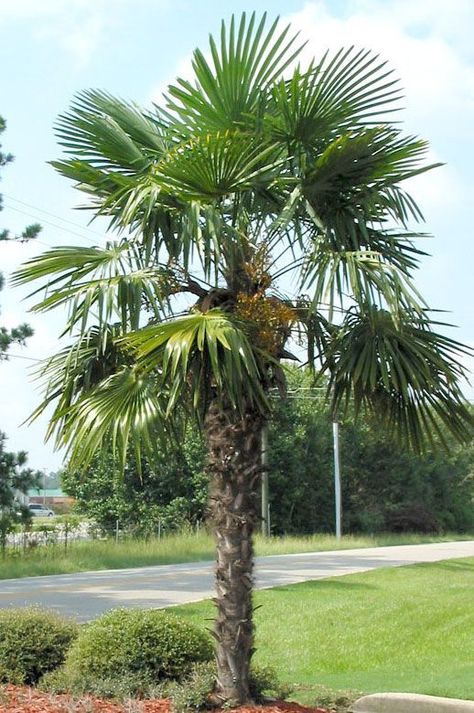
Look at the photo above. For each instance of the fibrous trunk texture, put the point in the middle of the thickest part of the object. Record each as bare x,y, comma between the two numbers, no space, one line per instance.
234,469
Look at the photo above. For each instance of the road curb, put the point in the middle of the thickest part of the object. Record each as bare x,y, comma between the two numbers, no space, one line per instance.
410,703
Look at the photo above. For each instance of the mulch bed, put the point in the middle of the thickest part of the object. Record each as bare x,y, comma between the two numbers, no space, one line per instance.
21,699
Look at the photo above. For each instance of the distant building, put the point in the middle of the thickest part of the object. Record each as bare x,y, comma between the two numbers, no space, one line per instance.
49,496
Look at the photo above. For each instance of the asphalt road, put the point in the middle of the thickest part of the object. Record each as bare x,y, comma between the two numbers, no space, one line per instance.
87,594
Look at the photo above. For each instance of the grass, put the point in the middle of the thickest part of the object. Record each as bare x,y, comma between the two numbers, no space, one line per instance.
91,555
397,629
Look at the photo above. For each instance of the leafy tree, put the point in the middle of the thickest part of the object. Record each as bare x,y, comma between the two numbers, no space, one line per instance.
17,335
23,331
172,488
385,487
15,480
254,170
31,231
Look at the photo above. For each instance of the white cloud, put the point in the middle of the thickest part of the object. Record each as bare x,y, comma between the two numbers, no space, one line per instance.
75,26
424,44
80,39
183,70
433,71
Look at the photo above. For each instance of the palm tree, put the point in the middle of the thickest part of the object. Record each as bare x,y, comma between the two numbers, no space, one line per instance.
256,179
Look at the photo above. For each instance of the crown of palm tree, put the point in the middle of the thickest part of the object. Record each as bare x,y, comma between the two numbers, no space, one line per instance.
255,175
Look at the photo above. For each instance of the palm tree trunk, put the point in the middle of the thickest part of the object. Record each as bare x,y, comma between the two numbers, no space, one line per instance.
234,469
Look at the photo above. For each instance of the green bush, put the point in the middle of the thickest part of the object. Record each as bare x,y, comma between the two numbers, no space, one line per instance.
141,644
119,687
32,642
337,701
194,692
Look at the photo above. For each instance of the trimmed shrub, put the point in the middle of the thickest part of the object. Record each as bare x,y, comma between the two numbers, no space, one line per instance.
195,691
140,644
32,642
192,692
122,687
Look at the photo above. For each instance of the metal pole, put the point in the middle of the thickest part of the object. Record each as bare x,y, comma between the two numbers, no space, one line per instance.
265,505
337,478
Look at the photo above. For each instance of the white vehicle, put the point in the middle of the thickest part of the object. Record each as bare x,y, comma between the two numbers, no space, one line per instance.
38,510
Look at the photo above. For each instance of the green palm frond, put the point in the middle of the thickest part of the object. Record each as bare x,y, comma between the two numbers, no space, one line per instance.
245,62
105,283
404,371
77,368
99,397
215,165
366,275
64,264
123,410
110,134
355,169
200,356
337,94
131,392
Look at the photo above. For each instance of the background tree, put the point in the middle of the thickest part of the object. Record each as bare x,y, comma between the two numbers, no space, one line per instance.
23,331
15,481
170,492
253,170
385,487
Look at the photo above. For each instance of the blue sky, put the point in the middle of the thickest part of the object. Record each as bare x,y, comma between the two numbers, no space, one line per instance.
51,49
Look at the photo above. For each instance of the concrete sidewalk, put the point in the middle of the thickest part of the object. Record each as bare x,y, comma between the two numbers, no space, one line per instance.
87,594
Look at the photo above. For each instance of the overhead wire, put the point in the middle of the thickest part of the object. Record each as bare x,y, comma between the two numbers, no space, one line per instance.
49,222
52,215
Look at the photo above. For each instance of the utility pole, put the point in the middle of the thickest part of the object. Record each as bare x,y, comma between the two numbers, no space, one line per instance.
265,503
337,477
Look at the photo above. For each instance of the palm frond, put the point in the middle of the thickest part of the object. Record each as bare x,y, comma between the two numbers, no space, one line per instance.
359,173
200,356
77,368
338,94
404,371
245,62
123,410
215,165
110,134
105,283
366,276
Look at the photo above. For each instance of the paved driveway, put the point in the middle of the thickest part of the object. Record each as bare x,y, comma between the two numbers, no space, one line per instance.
86,595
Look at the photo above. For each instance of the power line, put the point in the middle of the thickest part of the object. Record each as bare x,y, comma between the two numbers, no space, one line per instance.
49,222
20,356
52,215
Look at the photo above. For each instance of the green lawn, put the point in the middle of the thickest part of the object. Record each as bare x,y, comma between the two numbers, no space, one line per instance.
96,554
396,629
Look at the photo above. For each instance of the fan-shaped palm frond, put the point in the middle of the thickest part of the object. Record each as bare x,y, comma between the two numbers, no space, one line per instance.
130,391
366,275
123,410
228,91
202,356
217,165
110,134
406,372
104,283
340,93
355,168
77,368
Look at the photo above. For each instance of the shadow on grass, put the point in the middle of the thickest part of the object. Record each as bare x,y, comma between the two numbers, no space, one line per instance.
336,584
457,565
